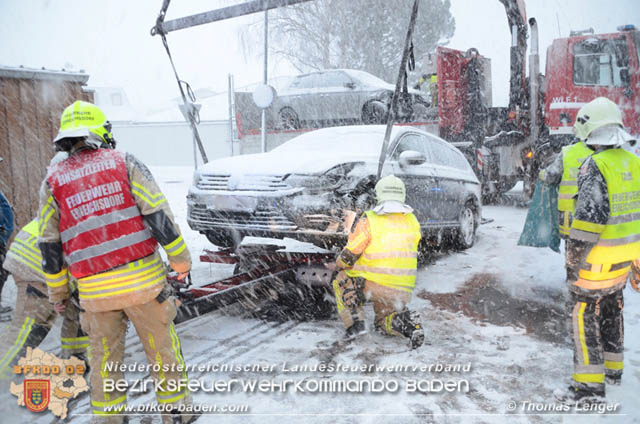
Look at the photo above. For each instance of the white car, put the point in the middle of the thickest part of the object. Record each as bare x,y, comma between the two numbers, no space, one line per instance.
342,96
311,187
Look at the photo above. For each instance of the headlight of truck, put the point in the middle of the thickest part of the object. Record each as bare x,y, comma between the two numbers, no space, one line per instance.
330,180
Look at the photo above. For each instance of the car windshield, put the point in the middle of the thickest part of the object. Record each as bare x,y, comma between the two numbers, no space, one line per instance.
359,141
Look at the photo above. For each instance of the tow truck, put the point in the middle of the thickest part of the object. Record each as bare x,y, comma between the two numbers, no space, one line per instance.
507,144
510,144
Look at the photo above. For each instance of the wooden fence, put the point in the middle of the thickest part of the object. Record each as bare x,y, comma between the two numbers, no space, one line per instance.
31,102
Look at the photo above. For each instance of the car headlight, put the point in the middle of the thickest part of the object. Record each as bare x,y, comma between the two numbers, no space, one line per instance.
330,180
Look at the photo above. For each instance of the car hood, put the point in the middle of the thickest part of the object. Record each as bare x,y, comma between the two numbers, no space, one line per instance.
281,163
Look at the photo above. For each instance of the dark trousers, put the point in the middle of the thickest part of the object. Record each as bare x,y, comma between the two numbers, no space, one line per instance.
597,332
4,274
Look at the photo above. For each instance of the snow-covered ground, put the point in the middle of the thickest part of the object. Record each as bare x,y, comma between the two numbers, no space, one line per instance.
508,365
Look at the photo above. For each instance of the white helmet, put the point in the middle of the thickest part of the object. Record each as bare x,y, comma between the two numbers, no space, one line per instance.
390,188
600,123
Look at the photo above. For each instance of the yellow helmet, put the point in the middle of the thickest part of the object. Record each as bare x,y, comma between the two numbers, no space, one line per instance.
390,188
84,119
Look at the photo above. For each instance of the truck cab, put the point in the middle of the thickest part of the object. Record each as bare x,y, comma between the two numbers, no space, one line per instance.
585,66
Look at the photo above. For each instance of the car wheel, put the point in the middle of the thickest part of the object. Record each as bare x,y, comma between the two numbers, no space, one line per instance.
223,239
374,112
466,235
288,119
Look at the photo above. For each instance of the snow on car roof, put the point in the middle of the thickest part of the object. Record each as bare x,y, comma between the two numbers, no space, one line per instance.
359,139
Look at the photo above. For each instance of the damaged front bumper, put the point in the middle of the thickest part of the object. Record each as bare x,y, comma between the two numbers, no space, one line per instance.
295,214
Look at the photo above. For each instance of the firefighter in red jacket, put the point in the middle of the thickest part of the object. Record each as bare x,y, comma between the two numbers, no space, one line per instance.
101,218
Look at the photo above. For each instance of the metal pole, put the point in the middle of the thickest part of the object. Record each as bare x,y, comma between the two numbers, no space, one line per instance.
231,137
195,155
221,14
264,110
396,94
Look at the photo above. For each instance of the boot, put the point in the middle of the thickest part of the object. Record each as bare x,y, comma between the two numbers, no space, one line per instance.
612,379
356,329
408,324
578,392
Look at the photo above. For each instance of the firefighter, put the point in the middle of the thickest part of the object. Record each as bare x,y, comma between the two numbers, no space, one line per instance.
101,218
563,171
433,87
34,314
6,228
603,242
379,264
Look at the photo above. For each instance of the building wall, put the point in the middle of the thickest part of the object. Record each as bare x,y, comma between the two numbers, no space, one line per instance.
29,119
171,143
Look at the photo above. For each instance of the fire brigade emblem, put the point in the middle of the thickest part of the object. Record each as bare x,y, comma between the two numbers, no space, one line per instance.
36,394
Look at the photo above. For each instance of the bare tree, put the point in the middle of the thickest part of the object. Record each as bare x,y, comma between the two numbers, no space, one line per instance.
358,34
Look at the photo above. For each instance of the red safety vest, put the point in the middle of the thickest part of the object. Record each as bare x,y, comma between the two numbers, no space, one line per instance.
100,225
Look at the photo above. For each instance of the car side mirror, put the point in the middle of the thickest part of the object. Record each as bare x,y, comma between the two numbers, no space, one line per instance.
350,85
411,158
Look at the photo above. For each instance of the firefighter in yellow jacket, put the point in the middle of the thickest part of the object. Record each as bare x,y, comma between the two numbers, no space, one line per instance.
34,315
379,264
101,219
563,172
603,243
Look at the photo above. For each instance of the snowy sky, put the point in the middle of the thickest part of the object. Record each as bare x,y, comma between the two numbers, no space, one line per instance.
111,41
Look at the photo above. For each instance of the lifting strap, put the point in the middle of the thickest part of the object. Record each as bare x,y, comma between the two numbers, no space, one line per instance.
190,109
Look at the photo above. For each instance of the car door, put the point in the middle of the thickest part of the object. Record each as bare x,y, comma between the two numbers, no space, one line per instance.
447,167
423,192
337,98
301,96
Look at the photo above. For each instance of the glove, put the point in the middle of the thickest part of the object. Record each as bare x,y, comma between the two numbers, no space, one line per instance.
634,275
352,292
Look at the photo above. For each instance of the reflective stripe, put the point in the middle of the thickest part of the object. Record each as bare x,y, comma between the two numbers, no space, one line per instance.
75,342
602,284
357,242
589,378
27,325
566,196
99,221
589,369
152,200
621,219
127,288
103,366
613,365
175,247
389,271
57,280
387,323
95,280
109,246
390,255
584,235
583,341
171,397
45,215
75,346
619,241
587,226
123,281
115,406
611,356
569,184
